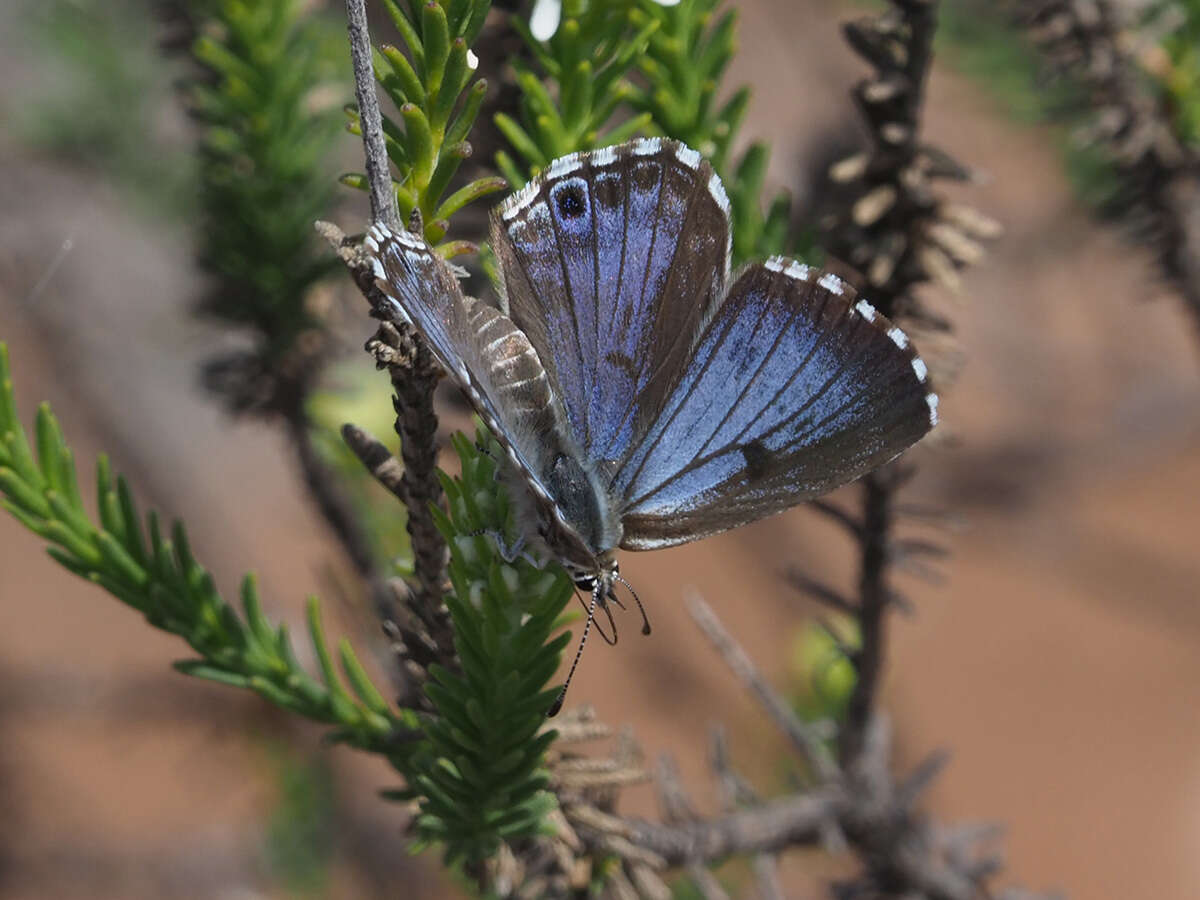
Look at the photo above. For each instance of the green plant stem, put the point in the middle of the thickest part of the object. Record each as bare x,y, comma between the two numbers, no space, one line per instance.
159,577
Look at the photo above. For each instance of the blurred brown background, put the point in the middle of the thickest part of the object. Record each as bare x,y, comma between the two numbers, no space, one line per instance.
1058,662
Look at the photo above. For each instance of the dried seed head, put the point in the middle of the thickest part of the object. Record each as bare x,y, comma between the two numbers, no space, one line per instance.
883,90
958,245
883,266
970,220
873,205
849,169
939,267
894,133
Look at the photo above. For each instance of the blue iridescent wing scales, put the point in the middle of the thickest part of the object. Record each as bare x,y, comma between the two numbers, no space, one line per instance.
612,262
795,388
647,403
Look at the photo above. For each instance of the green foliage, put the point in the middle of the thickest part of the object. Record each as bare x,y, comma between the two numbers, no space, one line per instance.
355,393
586,60
96,97
474,766
267,131
483,782
432,88
975,39
300,839
826,675
681,53
1180,83
158,576
683,68
686,59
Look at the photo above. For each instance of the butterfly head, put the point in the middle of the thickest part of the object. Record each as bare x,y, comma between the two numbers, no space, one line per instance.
590,578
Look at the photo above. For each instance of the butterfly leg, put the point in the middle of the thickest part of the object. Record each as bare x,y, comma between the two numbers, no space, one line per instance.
510,552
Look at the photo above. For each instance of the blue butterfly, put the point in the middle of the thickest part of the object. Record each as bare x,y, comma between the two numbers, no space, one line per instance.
647,397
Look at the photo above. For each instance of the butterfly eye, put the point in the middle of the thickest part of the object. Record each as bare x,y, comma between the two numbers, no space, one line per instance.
570,202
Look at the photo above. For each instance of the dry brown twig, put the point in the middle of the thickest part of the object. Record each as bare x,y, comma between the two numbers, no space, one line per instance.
892,225
420,628
419,623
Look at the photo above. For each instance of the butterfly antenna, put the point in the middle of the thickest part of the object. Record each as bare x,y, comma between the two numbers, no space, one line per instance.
587,607
612,623
591,616
637,600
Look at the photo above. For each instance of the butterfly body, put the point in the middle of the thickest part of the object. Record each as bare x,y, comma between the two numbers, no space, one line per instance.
643,395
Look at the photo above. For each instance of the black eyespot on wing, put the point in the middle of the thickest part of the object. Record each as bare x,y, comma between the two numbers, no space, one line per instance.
570,202
758,459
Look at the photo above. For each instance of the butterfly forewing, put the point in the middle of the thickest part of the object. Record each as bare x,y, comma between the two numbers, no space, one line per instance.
489,357
612,262
795,388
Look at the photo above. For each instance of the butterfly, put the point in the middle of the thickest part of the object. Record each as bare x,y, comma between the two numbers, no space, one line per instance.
648,396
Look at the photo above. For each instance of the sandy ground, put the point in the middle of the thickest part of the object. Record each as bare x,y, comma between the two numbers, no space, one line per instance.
1058,662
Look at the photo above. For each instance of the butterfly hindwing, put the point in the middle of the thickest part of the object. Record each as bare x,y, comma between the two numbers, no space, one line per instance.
795,388
612,262
498,368
485,353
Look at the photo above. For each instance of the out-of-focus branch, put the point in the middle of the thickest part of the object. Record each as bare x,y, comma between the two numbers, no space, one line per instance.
891,224
873,599
775,825
799,733
1090,41
862,808
904,853
335,507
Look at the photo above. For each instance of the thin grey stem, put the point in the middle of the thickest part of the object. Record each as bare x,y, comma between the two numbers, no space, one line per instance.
735,657
791,822
379,177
